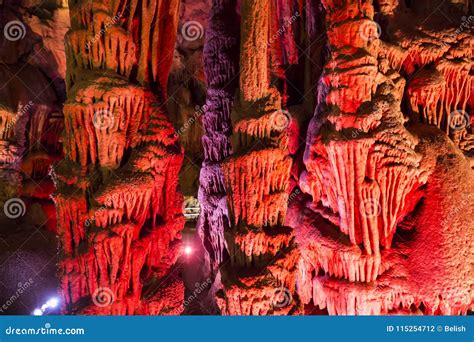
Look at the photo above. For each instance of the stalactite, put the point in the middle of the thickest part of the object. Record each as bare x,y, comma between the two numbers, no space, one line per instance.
260,277
220,65
366,173
118,206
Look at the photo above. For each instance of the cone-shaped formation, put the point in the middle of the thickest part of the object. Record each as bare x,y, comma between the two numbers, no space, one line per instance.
259,278
366,174
119,210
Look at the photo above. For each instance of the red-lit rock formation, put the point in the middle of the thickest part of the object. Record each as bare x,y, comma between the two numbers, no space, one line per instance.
260,277
366,174
438,62
119,210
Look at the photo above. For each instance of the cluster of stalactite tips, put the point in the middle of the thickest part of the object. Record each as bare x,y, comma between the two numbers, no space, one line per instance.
320,151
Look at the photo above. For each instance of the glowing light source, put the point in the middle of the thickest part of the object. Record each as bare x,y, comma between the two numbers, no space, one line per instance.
53,302
50,304
188,250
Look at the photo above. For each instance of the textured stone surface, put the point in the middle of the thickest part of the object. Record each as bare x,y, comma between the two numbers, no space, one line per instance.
119,209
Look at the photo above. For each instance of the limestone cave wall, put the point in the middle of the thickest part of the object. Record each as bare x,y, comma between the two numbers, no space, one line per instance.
320,153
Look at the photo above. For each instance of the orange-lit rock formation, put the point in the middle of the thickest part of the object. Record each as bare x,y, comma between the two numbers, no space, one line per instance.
118,206
260,278
366,237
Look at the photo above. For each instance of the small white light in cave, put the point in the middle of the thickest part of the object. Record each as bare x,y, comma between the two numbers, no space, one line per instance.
53,302
50,304
188,250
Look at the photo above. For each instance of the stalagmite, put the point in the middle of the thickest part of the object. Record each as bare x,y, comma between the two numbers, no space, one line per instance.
316,155
367,176
259,279
119,209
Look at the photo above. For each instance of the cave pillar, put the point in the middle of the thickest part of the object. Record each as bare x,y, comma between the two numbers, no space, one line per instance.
259,278
118,205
